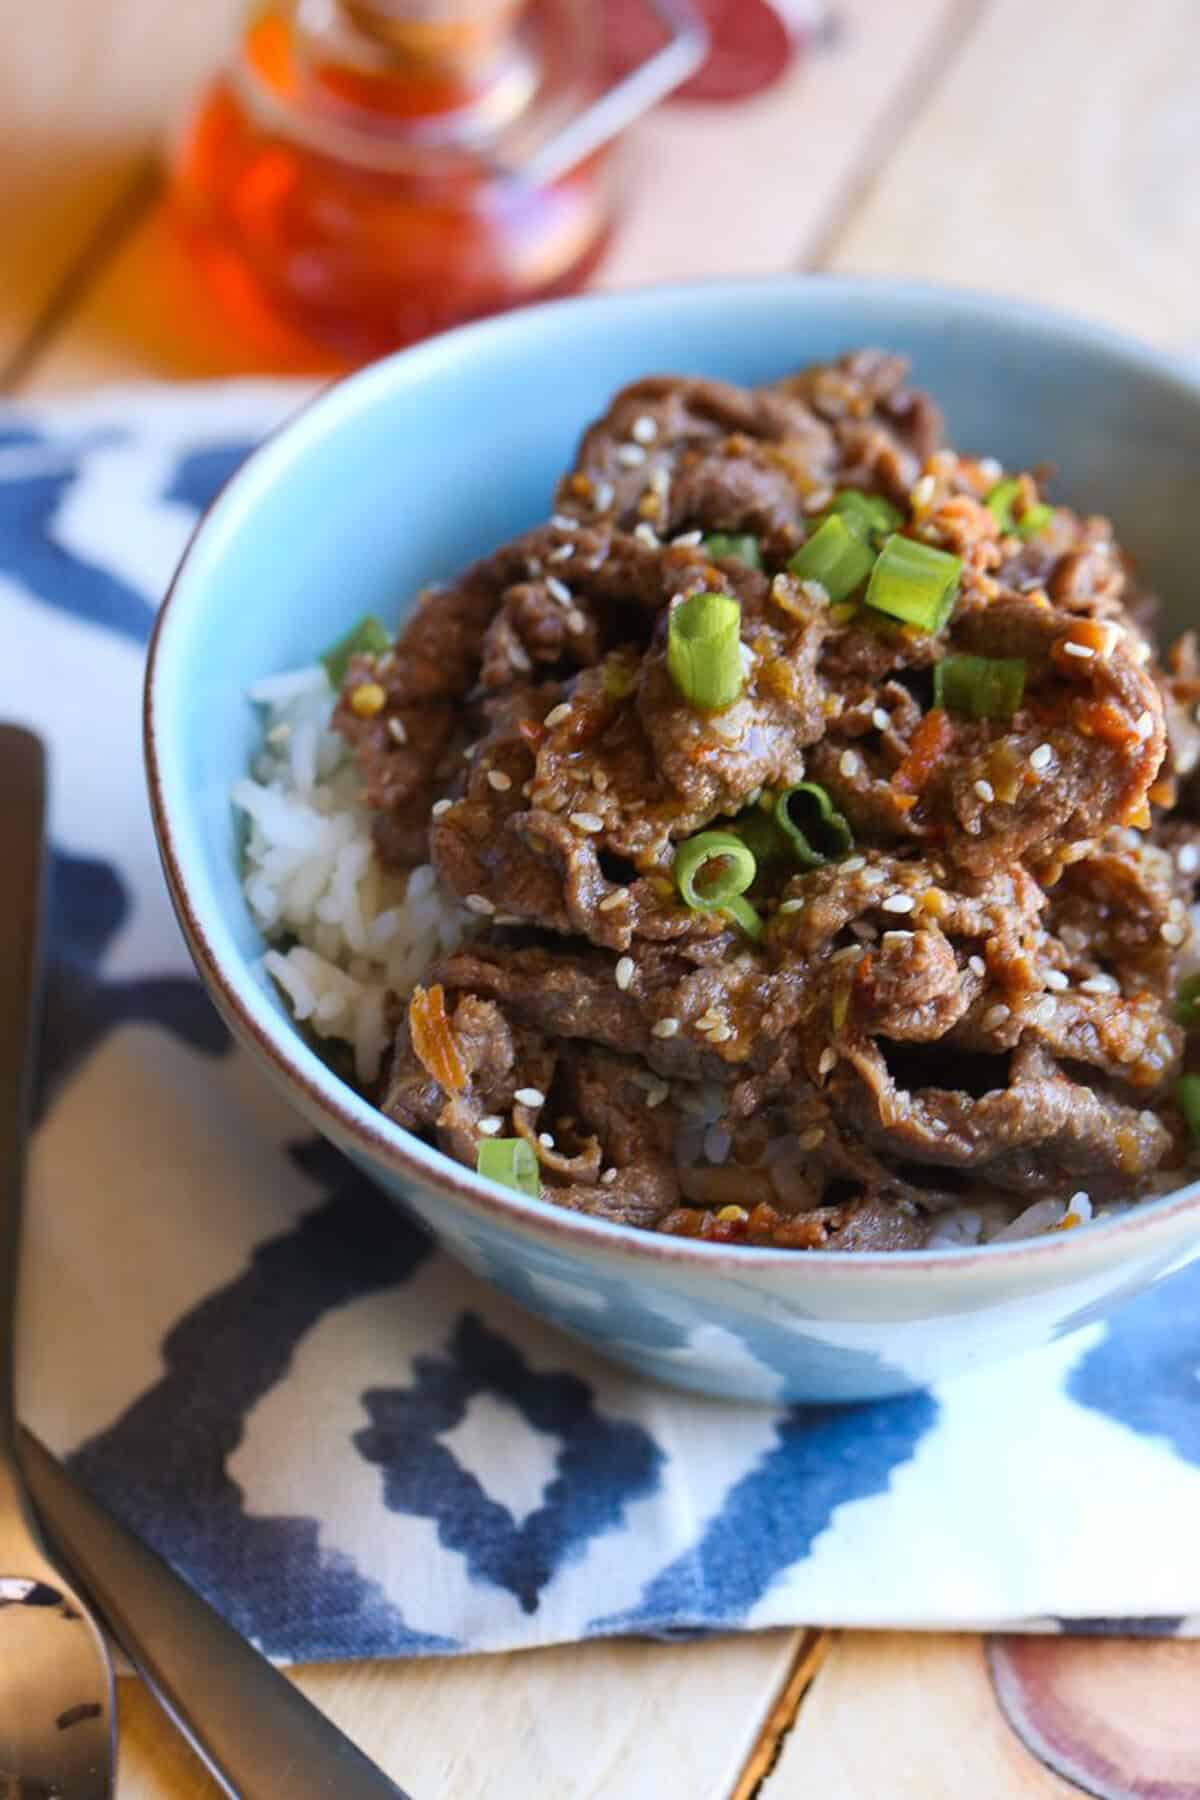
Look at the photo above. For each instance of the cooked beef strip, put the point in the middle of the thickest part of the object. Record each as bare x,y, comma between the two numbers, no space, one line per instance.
981,989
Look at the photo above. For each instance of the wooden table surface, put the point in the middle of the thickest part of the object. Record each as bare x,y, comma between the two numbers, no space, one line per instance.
1040,147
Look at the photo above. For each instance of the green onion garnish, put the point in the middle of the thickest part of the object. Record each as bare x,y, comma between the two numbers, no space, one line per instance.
712,871
914,582
368,638
704,650
511,1162
1187,1099
999,503
1034,519
979,687
761,835
739,549
816,832
1186,1010
870,515
836,556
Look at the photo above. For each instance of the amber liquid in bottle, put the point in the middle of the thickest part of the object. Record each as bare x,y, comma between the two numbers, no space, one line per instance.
348,190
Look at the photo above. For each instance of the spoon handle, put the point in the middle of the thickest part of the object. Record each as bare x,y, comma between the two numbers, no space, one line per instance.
257,1733
22,860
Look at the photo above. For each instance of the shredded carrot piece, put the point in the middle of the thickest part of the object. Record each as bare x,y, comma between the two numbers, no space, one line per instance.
930,741
433,1039
1101,719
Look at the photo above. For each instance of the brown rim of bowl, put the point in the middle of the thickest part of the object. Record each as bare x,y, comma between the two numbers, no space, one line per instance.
390,1143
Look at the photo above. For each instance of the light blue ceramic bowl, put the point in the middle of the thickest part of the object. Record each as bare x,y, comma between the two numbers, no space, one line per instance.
409,469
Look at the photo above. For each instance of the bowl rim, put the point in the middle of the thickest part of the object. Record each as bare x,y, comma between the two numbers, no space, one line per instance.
232,983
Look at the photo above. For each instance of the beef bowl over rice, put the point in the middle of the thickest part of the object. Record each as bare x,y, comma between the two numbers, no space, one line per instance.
791,842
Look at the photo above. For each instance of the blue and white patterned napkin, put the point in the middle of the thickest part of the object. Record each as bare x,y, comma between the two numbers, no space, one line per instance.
349,1444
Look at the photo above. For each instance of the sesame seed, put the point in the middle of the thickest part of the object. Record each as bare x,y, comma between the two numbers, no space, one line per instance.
687,540
479,903
586,821
862,928
1083,651
1056,981
618,897
977,965
630,456
852,865
576,621
1188,859
989,468
368,699
563,554
720,1034
897,937
397,731
518,656
564,521
646,534
602,496
711,1017
873,878
898,903
508,918
491,1125
850,953
1042,757
1172,933
608,1177
645,429
880,719
1099,984
624,972
656,1093
808,1140
530,1096
534,566
826,1062
600,781
557,714
1145,726
792,906
665,1028
499,780
848,763
558,590
441,807
995,1015
922,491
985,791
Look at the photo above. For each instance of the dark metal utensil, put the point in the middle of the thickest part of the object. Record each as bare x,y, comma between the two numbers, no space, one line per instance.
257,1733
56,1684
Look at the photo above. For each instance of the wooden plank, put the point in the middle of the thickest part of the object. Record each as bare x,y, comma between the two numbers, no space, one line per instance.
909,1717
1055,160
713,190
85,88
752,188
621,1720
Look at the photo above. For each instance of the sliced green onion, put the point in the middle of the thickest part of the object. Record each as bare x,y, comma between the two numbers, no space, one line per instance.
816,832
980,687
1187,1099
704,650
1034,519
870,515
739,549
743,914
712,871
761,835
836,556
511,1162
368,638
914,582
1186,1010
1000,501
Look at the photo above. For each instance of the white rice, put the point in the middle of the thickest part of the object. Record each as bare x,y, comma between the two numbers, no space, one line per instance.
344,930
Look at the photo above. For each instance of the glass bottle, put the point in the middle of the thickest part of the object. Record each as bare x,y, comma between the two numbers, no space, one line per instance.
365,172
